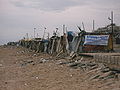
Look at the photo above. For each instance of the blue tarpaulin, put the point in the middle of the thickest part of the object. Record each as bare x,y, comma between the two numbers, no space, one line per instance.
96,39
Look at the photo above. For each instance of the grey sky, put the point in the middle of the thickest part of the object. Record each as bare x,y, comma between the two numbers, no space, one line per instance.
18,17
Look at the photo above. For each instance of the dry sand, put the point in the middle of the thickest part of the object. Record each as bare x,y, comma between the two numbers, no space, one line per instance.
24,70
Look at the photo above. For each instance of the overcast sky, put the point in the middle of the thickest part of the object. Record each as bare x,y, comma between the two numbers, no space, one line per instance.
18,17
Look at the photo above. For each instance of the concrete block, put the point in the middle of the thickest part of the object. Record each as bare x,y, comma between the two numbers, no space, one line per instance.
100,58
116,60
113,60
119,61
109,59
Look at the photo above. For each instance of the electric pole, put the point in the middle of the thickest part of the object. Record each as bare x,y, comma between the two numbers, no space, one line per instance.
93,25
34,32
112,22
37,35
112,29
27,36
44,32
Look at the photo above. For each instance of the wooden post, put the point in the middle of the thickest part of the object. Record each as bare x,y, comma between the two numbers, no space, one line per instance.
63,29
52,48
83,26
27,36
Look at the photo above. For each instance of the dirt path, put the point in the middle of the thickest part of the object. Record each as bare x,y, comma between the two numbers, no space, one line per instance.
21,69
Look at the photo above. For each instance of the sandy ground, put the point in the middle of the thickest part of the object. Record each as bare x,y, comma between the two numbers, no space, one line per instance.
21,69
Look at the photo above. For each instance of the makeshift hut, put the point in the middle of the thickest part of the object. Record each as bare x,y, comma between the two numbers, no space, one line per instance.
95,42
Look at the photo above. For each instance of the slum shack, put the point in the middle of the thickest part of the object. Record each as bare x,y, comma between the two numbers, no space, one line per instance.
97,42
71,43
12,43
39,45
35,43
25,43
117,38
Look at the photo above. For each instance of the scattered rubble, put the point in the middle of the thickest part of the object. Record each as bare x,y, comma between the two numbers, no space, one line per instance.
80,71
102,71
1,65
24,63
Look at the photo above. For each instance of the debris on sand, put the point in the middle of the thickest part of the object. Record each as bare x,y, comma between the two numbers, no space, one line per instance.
95,70
44,72
24,63
1,65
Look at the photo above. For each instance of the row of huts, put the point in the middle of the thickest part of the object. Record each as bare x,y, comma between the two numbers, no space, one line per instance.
70,43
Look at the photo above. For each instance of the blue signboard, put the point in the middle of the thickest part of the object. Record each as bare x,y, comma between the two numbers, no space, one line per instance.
96,39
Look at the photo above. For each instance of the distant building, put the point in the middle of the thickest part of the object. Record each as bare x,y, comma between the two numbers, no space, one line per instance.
108,29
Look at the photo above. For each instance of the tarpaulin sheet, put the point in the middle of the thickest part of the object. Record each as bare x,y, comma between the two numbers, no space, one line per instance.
96,39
